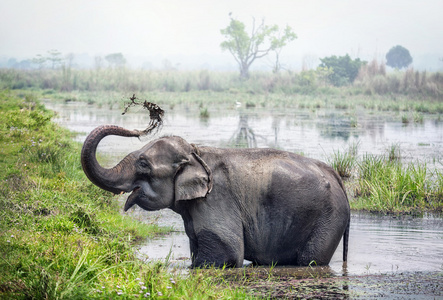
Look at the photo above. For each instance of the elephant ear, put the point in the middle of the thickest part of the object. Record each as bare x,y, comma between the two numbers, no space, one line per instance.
194,180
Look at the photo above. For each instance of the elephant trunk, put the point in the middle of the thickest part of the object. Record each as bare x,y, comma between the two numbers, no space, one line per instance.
117,179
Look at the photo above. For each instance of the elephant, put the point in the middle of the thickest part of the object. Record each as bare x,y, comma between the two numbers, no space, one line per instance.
268,206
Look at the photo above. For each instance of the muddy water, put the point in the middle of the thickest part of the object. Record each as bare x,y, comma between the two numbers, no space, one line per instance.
377,244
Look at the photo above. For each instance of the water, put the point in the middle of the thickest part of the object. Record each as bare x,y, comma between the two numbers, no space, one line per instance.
378,244
315,134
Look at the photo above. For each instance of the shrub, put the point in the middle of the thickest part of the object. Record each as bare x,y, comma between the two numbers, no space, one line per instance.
344,69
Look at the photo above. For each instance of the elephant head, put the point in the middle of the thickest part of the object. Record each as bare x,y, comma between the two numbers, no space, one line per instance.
161,173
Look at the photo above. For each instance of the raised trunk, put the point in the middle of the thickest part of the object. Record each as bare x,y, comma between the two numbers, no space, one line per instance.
117,179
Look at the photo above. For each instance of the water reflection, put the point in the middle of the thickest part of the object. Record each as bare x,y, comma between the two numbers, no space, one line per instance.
337,126
244,136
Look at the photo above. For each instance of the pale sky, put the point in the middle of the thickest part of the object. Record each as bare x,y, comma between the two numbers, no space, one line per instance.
192,27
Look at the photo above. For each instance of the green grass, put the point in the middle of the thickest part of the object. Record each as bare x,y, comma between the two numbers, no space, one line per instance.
62,237
384,184
204,113
393,152
343,162
381,183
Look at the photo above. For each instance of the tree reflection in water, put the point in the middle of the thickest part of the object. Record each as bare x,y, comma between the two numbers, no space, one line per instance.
244,136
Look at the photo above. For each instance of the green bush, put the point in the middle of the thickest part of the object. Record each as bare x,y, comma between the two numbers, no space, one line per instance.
344,69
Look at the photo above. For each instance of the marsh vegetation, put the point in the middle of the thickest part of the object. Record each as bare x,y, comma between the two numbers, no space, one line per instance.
383,183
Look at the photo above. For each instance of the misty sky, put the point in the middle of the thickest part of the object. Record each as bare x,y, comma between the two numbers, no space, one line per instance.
168,27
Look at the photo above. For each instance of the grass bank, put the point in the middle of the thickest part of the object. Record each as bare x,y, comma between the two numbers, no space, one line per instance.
63,238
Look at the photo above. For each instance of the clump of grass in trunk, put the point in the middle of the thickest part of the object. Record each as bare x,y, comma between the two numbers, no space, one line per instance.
155,113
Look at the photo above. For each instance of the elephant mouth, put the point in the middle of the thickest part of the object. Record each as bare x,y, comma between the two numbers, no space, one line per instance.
136,192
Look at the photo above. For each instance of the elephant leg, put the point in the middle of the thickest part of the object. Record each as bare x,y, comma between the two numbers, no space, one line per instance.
320,247
194,250
218,250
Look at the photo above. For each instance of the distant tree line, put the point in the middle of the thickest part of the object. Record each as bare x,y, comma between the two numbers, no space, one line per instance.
54,59
246,48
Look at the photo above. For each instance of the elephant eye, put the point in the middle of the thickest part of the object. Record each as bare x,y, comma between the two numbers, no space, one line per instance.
144,164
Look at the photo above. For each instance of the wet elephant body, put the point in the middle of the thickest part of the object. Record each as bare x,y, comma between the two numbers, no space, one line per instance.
264,205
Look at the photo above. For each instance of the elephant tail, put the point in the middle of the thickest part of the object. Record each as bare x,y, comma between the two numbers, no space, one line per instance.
345,240
346,233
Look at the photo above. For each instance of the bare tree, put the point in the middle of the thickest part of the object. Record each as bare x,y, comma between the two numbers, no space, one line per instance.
247,48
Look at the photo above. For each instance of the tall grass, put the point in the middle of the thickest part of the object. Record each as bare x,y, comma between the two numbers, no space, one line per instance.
382,183
344,162
374,79
385,184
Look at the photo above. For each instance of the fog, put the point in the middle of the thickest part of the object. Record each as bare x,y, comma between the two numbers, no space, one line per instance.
187,32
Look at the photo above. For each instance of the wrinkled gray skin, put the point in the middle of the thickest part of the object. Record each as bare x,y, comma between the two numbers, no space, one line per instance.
263,205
